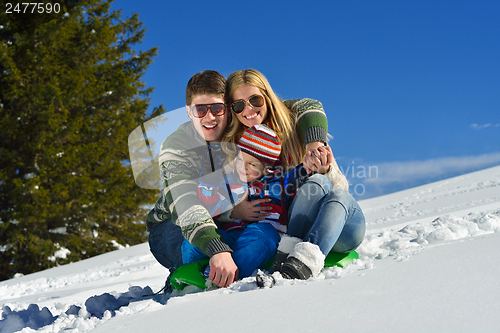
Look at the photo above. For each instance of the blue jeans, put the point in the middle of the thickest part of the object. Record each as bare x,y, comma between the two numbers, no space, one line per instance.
252,247
165,242
329,218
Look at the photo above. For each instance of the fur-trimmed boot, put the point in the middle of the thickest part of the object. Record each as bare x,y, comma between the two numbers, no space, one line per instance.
286,245
305,261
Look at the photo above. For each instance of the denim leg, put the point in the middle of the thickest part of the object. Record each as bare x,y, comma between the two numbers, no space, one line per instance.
338,224
165,242
306,205
353,233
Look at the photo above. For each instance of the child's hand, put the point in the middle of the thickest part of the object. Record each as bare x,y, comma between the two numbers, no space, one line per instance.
248,210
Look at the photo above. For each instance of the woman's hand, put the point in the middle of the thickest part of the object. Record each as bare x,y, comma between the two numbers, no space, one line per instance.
248,210
318,158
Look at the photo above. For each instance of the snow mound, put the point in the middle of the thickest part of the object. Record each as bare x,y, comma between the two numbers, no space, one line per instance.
404,242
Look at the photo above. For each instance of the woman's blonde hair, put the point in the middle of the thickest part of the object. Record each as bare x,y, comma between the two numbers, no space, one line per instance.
279,117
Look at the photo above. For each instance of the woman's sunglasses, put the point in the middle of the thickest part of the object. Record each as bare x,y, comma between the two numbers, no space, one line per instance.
255,101
201,110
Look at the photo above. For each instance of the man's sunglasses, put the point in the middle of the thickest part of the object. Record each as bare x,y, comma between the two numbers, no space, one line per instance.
255,101
201,110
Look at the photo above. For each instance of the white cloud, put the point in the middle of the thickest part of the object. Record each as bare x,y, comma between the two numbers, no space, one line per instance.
414,170
479,127
396,176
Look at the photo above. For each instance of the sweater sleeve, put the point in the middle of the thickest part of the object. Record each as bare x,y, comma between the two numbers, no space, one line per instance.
179,201
336,177
313,126
311,119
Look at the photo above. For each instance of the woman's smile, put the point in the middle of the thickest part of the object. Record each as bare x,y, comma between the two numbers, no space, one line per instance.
251,115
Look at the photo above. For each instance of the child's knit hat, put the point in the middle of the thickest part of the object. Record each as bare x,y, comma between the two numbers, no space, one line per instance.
261,142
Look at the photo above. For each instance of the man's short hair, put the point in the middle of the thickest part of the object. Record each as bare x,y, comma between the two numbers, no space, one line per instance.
205,83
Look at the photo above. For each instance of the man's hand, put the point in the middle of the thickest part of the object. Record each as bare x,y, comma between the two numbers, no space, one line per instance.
318,158
248,210
223,270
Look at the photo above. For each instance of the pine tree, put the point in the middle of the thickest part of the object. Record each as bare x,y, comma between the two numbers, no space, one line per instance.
70,95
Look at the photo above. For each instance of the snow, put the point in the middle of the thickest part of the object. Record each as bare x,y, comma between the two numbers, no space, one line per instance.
61,253
429,263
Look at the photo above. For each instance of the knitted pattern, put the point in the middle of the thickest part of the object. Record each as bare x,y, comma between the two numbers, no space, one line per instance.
281,189
180,164
311,119
261,142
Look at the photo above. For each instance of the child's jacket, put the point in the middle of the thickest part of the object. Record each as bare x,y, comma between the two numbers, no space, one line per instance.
213,192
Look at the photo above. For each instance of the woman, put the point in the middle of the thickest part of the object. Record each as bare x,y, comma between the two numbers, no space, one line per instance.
323,217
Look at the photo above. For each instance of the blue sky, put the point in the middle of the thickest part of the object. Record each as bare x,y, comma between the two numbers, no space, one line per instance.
411,88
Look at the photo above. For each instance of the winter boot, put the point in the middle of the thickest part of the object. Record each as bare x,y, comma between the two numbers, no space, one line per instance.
286,245
264,280
305,261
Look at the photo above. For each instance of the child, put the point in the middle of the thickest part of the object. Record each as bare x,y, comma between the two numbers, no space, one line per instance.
255,171
255,168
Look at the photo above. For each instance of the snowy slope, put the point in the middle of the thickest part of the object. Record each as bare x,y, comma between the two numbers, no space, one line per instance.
429,262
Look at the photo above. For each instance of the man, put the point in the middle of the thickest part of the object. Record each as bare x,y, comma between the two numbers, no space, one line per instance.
180,164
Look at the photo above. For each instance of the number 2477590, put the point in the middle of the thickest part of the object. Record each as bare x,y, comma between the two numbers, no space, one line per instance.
32,7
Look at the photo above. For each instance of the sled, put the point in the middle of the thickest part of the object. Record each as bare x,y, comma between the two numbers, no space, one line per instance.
192,273
340,259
